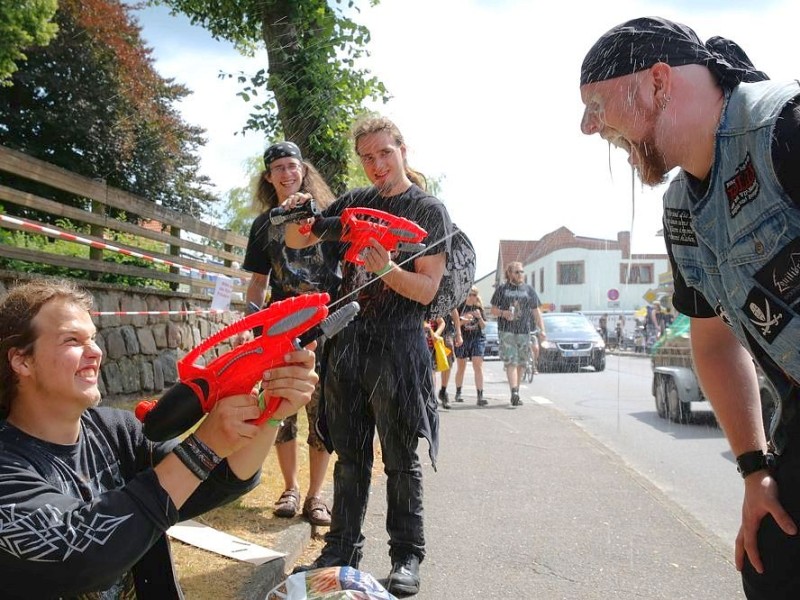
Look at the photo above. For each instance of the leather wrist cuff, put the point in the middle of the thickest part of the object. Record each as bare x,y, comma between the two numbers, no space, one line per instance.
757,460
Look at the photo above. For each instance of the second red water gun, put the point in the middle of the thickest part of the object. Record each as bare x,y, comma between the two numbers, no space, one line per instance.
359,225
356,226
286,326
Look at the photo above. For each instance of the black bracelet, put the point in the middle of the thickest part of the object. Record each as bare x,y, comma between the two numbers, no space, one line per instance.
202,453
189,462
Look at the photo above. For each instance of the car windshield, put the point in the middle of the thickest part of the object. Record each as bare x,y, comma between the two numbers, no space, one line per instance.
567,325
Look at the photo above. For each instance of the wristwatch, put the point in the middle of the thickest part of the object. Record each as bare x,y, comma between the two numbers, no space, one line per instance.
757,460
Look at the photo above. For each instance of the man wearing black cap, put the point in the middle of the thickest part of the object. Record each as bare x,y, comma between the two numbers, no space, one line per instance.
732,229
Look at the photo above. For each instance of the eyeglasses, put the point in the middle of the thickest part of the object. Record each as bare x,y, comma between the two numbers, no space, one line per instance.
517,272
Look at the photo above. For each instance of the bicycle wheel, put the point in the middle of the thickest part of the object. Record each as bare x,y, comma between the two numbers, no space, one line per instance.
528,374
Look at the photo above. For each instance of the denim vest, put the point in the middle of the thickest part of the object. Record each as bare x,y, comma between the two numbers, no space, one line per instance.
739,244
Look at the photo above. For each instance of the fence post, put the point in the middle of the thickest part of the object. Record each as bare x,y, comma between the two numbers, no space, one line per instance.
175,231
96,254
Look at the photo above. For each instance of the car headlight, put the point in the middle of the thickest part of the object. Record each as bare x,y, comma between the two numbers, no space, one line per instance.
547,345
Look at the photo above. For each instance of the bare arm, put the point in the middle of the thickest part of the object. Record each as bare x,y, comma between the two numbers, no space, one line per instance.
257,289
456,318
728,378
420,286
537,318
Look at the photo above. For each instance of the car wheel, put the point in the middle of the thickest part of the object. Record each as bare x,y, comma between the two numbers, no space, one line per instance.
661,397
599,363
679,412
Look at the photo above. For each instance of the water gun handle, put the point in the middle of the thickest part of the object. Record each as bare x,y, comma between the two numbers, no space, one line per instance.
328,328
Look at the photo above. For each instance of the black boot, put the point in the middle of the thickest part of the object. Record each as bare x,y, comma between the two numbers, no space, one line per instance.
324,560
458,395
481,401
404,578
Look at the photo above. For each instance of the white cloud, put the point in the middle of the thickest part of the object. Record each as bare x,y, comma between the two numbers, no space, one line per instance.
487,97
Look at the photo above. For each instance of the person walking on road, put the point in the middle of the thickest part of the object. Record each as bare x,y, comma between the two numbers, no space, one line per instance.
731,226
517,308
473,321
287,273
377,373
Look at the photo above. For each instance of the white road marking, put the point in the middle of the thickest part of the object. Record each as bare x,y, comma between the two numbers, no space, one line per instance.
540,400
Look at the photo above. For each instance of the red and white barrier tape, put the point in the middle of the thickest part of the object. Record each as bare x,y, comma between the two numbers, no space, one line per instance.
38,227
118,313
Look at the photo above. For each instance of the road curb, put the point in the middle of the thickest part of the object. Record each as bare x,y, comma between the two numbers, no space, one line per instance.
291,542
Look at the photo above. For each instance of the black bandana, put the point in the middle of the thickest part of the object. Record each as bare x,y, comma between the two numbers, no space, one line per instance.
281,150
638,44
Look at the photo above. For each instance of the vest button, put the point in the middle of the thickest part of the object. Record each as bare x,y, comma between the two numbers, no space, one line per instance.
759,246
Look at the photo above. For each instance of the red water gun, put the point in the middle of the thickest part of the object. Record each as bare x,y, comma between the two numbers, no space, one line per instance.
286,326
356,226
359,225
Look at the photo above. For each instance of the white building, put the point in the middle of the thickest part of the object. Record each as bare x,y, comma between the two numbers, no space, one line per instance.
573,273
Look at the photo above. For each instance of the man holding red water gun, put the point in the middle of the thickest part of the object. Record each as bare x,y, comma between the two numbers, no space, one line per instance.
377,372
85,497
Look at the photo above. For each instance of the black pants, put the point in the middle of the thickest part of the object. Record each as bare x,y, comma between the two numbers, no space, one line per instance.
361,395
780,553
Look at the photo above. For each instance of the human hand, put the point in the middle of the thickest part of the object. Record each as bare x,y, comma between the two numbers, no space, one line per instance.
242,338
293,382
760,499
228,426
376,257
295,200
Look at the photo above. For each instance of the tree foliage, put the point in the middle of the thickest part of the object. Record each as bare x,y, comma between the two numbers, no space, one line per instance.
312,89
23,25
92,103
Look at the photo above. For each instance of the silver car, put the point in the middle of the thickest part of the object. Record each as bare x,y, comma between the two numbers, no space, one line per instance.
572,342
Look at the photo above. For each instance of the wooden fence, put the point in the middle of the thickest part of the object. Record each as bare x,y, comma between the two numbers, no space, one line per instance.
186,243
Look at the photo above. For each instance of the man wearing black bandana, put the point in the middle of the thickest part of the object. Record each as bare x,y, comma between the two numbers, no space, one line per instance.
732,228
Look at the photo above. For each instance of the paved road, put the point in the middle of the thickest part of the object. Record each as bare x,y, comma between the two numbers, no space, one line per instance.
528,505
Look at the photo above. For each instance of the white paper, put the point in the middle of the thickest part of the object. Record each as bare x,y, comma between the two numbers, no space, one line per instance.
213,540
222,293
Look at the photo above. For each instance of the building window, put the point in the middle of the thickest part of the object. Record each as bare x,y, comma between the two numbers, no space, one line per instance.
533,280
541,280
636,273
570,273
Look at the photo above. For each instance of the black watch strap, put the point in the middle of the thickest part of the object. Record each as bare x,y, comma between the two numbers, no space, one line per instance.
757,460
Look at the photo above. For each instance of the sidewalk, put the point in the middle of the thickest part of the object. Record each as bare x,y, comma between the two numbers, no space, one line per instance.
526,505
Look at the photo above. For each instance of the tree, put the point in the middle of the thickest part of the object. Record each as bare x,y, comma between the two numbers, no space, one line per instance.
312,89
92,103
23,25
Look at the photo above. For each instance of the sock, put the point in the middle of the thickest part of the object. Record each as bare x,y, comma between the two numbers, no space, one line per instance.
458,390
515,390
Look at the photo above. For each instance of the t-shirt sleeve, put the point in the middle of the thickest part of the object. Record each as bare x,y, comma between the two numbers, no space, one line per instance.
687,300
256,259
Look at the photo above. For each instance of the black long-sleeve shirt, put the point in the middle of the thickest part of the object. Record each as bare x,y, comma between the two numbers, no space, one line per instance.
92,516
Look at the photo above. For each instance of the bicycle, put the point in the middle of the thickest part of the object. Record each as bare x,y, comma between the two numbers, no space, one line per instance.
530,362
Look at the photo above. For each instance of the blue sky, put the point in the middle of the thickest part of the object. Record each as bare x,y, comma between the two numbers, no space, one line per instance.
486,94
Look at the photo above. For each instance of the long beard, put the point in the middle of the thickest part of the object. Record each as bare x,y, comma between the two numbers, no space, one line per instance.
651,164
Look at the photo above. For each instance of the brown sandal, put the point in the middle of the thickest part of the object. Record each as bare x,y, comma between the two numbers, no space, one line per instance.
287,504
316,511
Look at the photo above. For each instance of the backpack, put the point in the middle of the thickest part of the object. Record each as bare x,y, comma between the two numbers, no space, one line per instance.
459,275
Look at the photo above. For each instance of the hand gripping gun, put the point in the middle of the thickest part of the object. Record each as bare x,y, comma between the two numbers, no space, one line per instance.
287,325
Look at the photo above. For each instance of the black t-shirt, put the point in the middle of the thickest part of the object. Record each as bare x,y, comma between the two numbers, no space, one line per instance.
291,271
523,299
382,308
470,328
